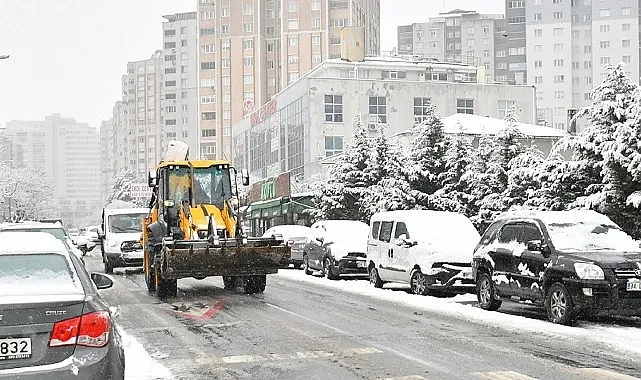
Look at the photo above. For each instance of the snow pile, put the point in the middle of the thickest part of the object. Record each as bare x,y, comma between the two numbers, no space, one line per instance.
139,365
464,307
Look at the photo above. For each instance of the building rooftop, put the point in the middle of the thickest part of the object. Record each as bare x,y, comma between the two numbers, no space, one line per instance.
479,125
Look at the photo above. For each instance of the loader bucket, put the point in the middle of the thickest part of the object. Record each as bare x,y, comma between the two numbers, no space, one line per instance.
200,258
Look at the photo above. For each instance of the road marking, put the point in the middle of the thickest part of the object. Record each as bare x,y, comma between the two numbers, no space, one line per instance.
299,355
208,314
379,346
503,375
414,377
600,373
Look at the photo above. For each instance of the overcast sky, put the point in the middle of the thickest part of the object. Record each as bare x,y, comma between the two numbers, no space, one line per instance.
67,56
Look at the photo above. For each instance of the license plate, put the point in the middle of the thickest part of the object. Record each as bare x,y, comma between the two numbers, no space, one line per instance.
360,264
19,348
633,286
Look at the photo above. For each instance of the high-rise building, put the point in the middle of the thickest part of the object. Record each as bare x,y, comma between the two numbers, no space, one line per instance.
137,120
68,152
106,158
179,98
569,45
511,55
251,50
456,36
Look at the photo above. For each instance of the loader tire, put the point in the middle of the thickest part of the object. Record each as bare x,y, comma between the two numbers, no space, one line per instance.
150,280
230,282
261,283
165,288
255,284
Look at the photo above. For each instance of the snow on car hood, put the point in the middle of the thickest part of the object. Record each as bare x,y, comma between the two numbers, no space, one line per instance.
343,248
345,237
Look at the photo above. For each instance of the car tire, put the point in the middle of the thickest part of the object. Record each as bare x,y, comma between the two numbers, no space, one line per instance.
261,283
559,306
229,282
486,293
306,267
328,270
418,283
374,278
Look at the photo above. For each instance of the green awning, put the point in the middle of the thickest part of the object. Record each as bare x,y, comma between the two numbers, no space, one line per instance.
297,206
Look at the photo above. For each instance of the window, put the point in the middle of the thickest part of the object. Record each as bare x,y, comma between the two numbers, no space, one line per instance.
270,30
248,27
316,40
270,64
225,63
604,28
316,5
292,24
207,15
605,60
248,10
421,109
170,96
171,109
170,122
226,114
504,106
292,6
208,149
208,133
626,59
604,12
625,11
335,41
538,32
226,80
538,64
515,4
292,40
588,80
486,53
625,43
170,32
587,48
170,83
171,57
538,16
557,47
207,82
316,58
375,227
470,43
292,58
225,45
557,15
517,51
224,29
248,61
386,232
538,79
224,12
316,22
531,231
559,78
587,64
248,79
401,229
558,63
248,95
207,65
334,108
226,131
377,110
559,94
393,74
226,97
248,44
211,48
465,106
604,44
625,27
538,48
333,145
509,233
169,45
207,99
557,32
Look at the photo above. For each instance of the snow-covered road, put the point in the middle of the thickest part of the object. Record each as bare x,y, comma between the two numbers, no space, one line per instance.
139,365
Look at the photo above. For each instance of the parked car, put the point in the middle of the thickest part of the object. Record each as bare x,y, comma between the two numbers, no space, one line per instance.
295,236
573,263
91,232
336,247
430,250
120,237
53,322
54,229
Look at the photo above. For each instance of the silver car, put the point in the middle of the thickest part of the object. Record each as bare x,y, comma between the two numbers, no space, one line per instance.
295,237
53,322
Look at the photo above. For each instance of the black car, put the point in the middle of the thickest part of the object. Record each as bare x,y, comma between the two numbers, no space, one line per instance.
573,263
53,322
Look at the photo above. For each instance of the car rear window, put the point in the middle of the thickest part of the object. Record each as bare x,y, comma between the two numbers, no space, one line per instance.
35,274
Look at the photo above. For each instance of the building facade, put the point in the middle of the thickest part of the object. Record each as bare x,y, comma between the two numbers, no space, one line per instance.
250,50
311,120
68,152
179,93
106,158
569,45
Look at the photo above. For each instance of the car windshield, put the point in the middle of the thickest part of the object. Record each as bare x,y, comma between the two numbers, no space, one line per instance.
212,185
126,223
590,236
33,274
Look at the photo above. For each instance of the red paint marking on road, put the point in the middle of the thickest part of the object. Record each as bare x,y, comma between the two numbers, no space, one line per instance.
211,312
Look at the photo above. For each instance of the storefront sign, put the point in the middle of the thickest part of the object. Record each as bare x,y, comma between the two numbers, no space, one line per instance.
139,190
263,112
271,188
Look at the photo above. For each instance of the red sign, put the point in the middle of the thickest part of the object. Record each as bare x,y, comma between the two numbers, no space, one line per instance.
263,112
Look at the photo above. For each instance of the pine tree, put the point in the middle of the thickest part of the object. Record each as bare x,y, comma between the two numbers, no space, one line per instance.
523,178
426,161
120,190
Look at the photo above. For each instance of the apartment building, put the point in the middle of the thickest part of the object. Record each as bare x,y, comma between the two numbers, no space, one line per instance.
252,49
106,158
68,152
179,93
138,126
570,42
457,36
311,119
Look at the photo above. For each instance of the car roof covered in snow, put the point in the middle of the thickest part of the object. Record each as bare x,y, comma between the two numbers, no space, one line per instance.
417,221
30,242
289,231
124,211
29,224
559,217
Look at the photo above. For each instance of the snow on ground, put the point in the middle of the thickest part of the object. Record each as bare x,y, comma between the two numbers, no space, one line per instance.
622,338
139,365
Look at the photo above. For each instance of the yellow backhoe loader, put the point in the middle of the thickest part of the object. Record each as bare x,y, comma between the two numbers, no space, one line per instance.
193,228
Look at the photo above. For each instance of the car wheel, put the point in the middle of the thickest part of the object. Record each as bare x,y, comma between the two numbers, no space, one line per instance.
109,267
418,283
328,270
559,306
306,267
374,278
486,293
261,283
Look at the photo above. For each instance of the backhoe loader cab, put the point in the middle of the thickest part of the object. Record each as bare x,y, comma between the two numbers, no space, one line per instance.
193,229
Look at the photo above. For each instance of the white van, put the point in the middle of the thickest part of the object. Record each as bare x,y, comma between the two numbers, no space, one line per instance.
430,250
120,234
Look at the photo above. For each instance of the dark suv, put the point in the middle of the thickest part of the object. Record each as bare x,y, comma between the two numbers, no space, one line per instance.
571,262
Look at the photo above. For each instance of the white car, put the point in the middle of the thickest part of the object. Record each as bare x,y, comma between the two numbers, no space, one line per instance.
120,234
430,250
295,237
54,229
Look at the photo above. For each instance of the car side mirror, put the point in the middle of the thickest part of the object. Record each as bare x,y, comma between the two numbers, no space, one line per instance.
244,173
102,281
538,246
152,180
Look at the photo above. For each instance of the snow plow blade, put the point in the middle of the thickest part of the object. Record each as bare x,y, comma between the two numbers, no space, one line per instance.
201,258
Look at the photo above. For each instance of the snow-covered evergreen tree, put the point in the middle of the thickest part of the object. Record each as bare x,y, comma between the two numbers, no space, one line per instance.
28,194
523,177
120,190
426,160
508,140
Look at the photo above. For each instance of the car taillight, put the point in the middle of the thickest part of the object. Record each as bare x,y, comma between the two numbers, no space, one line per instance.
91,330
